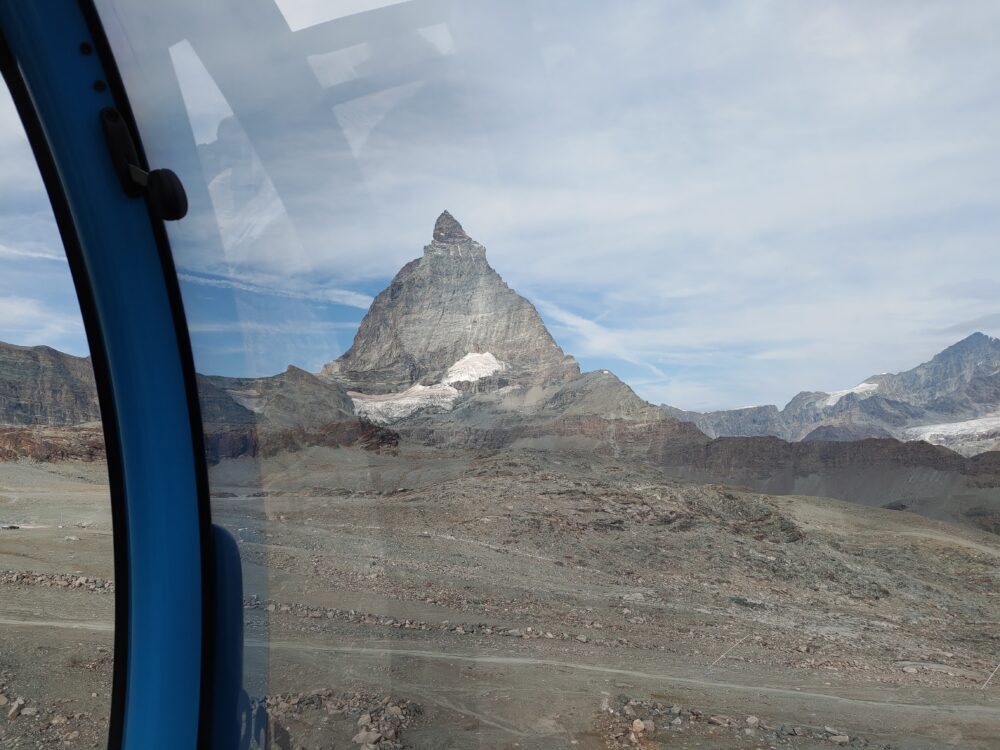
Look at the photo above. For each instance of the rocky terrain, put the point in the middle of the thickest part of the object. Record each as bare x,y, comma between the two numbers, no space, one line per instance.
515,596
916,477
285,412
951,400
56,604
431,599
83,442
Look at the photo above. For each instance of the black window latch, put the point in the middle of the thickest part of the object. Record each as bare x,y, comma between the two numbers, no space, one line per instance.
162,188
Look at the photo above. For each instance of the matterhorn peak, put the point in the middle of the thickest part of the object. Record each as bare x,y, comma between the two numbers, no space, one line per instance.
451,241
437,313
447,229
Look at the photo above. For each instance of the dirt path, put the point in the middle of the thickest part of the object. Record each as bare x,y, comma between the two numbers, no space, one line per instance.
972,710
952,539
99,627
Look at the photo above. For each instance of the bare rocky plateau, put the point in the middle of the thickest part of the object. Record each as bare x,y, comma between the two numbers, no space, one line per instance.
529,599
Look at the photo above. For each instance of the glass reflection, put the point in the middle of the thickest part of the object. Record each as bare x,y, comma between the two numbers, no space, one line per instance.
487,467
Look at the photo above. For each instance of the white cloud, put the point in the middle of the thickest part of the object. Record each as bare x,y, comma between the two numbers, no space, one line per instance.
30,322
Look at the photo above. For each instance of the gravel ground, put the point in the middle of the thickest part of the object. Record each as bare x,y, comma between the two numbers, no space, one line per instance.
530,600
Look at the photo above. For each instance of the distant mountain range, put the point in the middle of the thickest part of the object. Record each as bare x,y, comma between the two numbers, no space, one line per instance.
952,400
448,356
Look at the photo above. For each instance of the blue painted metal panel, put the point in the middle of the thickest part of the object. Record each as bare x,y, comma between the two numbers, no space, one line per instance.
228,657
134,317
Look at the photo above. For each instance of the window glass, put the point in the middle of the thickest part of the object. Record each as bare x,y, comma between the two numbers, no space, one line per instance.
56,554
479,294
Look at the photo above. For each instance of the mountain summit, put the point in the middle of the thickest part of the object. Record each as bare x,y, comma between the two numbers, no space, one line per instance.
448,230
440,309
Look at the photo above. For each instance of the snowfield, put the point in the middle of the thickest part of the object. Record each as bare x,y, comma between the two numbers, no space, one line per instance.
934,433
390,407
473,367
834,397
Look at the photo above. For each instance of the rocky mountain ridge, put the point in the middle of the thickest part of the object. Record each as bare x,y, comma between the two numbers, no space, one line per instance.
40,386
953,399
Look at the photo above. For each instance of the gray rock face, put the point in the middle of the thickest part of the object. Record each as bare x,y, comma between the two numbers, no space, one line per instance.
752,421
440,308
42,386
594,414
943,400
599,394
294,398
447,230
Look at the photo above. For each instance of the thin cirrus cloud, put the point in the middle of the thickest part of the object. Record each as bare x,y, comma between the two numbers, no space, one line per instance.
297,327
282,288
17,253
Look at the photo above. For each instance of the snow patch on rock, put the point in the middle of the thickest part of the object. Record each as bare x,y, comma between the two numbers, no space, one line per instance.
472,367
935,433
834,397
251,400
389,407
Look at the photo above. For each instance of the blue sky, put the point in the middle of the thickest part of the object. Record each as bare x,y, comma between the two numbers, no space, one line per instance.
722,202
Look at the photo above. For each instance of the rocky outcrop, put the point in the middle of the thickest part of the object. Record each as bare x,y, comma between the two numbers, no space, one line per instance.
944,382
843,433
768,456
927,479
593,413
437,310
294,398
73,443
42,386
285,412
751,421
253,441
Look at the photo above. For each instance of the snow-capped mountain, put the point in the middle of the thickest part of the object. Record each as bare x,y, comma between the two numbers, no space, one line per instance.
445,318
449,349
952,400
